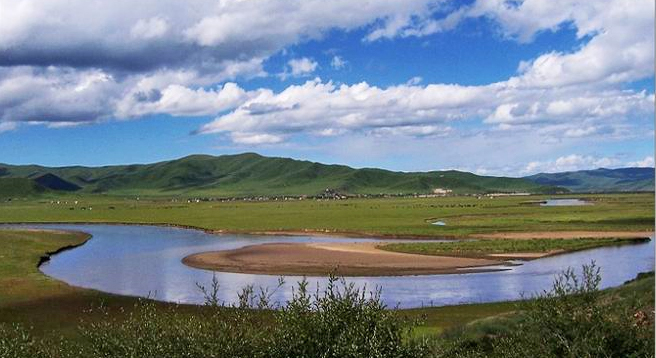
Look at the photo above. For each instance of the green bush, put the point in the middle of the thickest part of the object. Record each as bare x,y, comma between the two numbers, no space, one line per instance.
572,320
342,321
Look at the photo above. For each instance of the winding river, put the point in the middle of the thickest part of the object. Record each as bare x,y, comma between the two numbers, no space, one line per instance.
145,261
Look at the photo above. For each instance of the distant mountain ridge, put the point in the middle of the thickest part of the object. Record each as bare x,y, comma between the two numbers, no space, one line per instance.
599,180
251,174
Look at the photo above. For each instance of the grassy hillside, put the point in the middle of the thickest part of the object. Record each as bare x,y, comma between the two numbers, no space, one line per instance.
19,187
252,174
54,182
600,180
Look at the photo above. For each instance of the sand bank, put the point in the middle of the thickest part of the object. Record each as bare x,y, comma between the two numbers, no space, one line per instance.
345,259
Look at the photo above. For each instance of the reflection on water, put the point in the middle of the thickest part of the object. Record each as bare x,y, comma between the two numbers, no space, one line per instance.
564,202
145,261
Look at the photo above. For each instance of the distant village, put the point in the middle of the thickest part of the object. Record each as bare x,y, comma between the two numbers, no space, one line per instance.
331,194
327,194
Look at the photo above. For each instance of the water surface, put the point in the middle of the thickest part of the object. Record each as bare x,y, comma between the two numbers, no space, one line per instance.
564,202
145,261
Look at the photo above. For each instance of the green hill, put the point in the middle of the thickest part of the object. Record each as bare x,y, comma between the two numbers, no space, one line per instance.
600,180
252,174
54,182
11,188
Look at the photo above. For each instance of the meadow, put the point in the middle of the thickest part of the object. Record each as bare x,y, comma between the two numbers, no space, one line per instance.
484,248
32,299
394,217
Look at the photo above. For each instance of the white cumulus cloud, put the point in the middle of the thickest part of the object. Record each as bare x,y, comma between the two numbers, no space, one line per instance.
338,62
571,162
647,162
299,67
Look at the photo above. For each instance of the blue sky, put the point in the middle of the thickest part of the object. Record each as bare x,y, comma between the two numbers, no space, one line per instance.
493,87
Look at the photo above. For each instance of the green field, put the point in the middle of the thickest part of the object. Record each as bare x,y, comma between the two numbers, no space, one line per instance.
30,298
463,215
483,248
21,251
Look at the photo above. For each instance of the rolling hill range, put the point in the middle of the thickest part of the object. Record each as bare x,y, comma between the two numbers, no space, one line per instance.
600,180
250,174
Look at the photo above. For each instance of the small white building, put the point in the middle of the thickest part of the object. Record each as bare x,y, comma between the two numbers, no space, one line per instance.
442,191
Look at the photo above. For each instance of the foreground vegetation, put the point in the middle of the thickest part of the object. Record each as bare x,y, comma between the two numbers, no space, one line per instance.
406,217
574,319
482,248
53,308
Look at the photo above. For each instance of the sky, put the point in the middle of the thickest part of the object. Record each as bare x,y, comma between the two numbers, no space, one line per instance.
488,86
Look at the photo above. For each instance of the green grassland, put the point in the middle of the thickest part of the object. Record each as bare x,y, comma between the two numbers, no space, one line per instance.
463,215
20,187
21,251
483,248
35,300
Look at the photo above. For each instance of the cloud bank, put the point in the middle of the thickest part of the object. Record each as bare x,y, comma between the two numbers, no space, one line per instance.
126,60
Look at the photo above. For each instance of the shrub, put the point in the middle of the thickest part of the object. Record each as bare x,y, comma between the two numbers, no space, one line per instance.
342,321
574,319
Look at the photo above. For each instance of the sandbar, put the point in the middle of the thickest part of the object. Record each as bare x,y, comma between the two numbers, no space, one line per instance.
342,259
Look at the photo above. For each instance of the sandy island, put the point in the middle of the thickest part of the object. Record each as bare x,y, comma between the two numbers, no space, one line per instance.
344,259
365,259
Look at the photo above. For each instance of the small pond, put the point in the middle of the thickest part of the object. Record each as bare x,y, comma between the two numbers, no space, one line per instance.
564,202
